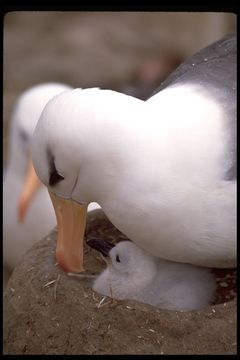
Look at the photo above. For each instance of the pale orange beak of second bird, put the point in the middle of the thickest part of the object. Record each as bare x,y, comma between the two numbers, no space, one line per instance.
30,187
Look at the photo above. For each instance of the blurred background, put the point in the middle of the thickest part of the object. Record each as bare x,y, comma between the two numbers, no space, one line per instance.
130,52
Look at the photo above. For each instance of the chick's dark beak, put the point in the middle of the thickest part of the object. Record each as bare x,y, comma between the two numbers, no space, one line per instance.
100,245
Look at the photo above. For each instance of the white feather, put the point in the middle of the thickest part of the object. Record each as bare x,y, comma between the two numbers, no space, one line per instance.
137,275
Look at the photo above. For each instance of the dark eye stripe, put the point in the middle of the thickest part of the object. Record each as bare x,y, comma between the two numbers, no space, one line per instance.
117,258
23,135
54,177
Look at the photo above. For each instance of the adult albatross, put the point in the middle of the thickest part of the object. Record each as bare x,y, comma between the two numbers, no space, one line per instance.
27,211
163,170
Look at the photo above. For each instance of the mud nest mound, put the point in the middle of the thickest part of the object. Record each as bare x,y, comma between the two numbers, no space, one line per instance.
47,311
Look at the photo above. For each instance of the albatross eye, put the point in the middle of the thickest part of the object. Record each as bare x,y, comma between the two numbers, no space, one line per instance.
54,176
23,135
117,258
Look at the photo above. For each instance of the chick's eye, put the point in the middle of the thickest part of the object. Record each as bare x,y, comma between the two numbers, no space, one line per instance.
117,259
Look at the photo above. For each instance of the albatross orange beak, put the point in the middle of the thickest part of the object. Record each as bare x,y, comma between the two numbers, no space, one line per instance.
30,187
71,222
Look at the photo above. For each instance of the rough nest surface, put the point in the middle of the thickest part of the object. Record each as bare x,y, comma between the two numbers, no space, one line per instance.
47,311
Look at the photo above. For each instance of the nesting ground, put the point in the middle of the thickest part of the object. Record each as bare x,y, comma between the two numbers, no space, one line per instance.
48,312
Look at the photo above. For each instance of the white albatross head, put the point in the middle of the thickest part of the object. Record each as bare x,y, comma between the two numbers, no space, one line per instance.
128,258
70,143
26,114
130,270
